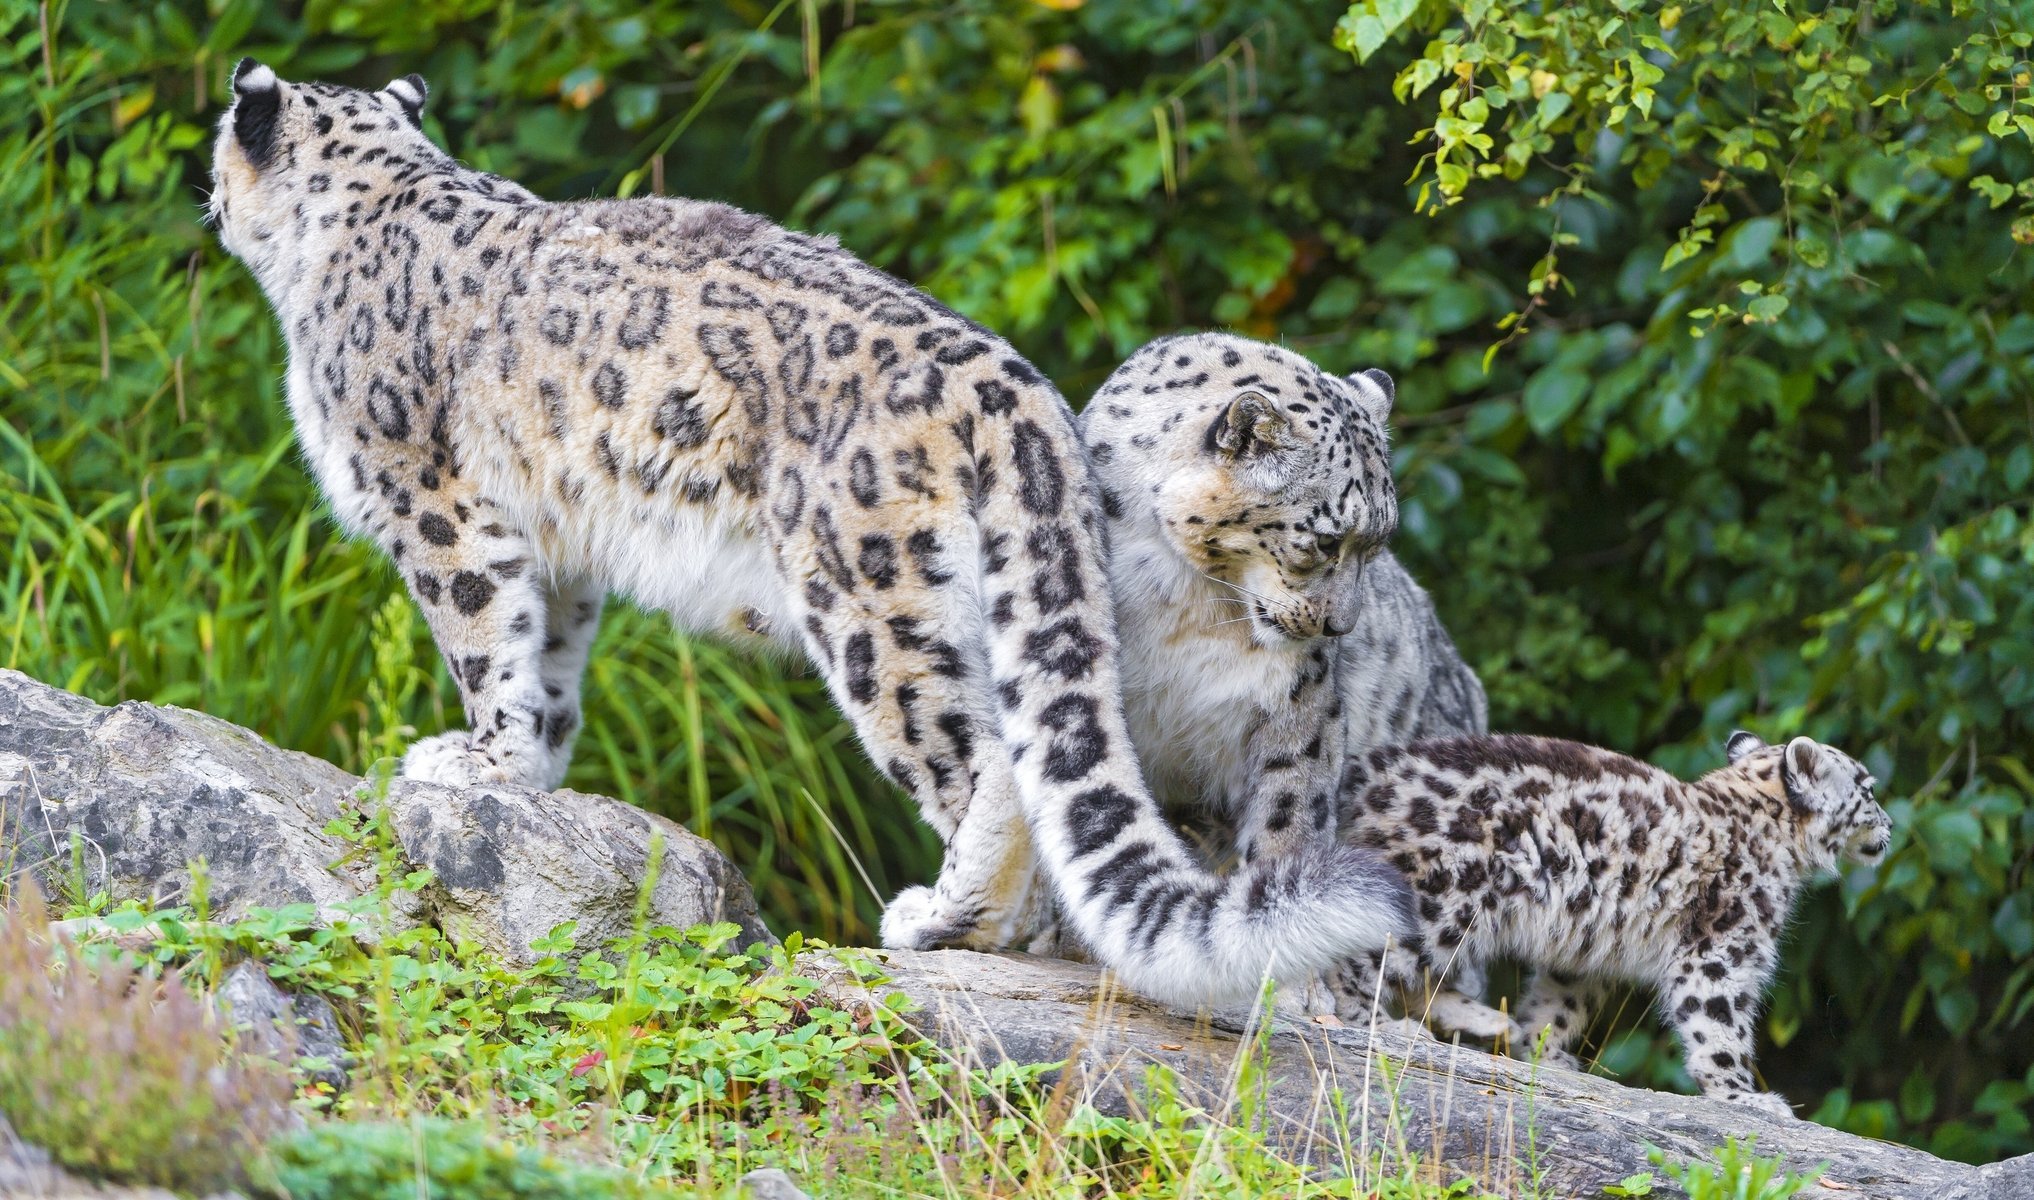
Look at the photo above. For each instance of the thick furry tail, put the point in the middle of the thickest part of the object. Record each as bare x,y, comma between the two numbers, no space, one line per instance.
1126,882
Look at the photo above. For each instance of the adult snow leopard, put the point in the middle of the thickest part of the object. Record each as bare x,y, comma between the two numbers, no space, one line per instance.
1591,868
1268,635
528,405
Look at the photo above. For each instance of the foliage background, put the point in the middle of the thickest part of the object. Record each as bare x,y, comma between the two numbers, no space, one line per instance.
1753,447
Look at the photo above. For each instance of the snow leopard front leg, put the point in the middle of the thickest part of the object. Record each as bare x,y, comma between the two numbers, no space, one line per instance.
475,578
1293,757
1712,1003
571,621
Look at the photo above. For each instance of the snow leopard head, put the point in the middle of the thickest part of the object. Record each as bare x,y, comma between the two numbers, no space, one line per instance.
1828,792
286,153
1258,469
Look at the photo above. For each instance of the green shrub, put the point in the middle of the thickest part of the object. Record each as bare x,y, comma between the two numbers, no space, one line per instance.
122,1074
446,1160
1736,1172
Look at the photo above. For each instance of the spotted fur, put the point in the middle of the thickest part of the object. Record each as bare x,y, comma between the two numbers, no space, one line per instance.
1593,868
1267,632
529,405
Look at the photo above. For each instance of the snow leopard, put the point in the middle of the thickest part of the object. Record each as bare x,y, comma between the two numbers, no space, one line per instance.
528,405
1592,868
1268,633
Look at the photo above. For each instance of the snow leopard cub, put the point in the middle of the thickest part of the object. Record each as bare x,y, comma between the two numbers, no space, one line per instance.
1267,632
528,405
1593,868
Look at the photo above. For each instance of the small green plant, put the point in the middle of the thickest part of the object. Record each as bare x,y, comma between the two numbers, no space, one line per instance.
122,1073
446,1160
1735,1172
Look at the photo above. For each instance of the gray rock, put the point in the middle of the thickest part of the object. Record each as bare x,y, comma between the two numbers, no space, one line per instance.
513,863
283,1025
768,1183
1482,1115
128,797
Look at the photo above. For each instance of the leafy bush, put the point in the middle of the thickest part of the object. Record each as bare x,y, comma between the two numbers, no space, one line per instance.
120,1074
1736,1172
448,1160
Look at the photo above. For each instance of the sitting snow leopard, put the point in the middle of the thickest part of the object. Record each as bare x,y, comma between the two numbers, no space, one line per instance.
1592,868
528,405
1267,633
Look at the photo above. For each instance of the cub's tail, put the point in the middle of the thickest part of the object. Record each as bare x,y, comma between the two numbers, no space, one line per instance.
1126,882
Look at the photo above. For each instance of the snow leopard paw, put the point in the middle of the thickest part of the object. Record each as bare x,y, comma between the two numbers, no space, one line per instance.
1385,1031
1455,1013
1530,1050
1304,1001
450,759
918,918
1773,1104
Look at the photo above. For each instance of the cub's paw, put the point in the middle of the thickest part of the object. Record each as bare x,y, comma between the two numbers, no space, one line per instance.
1455,1013
1387,1030
449,758
919,919
1773,1104
1528,1048
1303,1000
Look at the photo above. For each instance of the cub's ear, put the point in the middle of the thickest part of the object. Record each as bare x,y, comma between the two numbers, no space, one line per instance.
1801,764
410,92
1252,425
1374,391
257,111
1742,743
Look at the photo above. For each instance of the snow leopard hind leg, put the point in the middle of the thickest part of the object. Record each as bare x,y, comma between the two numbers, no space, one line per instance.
917,698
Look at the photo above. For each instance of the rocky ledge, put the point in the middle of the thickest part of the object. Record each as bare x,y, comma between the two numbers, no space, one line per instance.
125,799
128,797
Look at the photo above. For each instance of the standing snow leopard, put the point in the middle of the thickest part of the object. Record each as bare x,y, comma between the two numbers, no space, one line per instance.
1267,633
528,405
1592,868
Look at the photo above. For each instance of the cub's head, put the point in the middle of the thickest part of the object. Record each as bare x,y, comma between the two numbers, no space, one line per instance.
1828,791
286,153
1256,468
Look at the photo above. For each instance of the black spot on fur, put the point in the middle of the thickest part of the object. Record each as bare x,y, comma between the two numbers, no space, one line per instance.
610,385
878,559
1058,582
1065,648
1041,482
858,658
436,529
1098,817
643,324
1078,744
471,592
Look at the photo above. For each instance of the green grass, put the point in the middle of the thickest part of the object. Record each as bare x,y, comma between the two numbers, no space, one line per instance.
667,1062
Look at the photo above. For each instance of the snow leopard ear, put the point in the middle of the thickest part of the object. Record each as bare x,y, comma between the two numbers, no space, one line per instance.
1742,743
257,111
1801,773
410,91
1375,392
1804,758
1252,425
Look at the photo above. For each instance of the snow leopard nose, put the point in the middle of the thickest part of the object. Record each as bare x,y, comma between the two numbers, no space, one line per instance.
1335,625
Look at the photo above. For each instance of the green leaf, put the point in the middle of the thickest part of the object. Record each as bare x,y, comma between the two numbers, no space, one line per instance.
1767,309
1552,396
